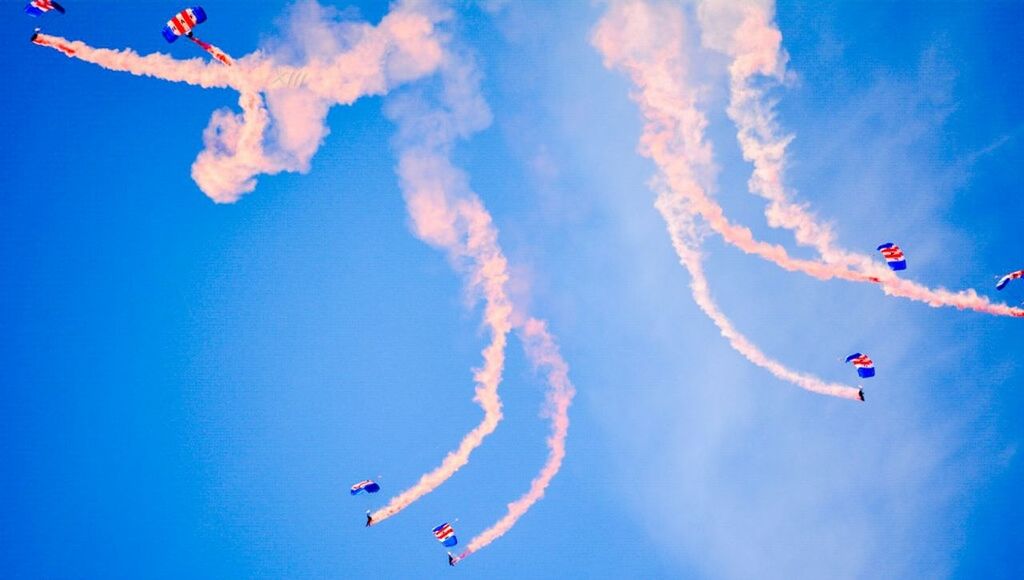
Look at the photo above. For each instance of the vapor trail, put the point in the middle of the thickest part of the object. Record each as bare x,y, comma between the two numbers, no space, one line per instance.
684,240
444,211
543,352
322,60
646,42
745,30
447,214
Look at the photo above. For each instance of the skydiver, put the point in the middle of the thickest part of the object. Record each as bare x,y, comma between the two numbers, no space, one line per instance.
35,35
451,559
860,394
369,519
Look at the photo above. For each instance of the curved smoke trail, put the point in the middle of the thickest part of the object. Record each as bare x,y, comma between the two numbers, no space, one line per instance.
543,352
674,139
646,42
745,31
444,210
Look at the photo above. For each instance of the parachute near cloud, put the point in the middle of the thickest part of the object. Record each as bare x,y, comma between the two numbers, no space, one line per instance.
893,256
184,22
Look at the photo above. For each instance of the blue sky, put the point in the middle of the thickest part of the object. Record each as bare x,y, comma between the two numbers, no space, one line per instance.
190,388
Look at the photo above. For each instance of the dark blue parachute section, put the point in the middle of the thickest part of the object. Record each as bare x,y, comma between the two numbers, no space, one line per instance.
1006,279
366,485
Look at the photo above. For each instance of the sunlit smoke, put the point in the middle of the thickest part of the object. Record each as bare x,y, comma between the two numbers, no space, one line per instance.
446,213
646,41
543,352
321,61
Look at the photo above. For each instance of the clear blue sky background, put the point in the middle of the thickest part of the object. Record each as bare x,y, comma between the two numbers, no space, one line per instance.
189,389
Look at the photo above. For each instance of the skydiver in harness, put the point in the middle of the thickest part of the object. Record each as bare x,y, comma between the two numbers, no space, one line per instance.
369,519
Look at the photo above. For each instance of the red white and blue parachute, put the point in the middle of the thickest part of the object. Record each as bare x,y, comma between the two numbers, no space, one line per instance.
1006,279
183,22
893,256
865,366
446,535
38,7
367,485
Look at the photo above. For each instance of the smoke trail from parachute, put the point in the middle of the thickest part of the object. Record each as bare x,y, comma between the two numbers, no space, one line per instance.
685,241
674,139
323,61
745,30
446,214
443,209
543,352
646,41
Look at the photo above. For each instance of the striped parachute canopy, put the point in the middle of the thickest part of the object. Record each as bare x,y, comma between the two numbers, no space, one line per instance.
446,535
865,366
183,22
893,256
1006,279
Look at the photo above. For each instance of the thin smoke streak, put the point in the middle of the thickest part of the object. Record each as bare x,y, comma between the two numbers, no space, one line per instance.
543,352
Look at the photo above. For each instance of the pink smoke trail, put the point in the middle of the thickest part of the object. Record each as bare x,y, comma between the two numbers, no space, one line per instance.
543,352
745,30
464,229
340,62
683,240
443,206
646,42
447,214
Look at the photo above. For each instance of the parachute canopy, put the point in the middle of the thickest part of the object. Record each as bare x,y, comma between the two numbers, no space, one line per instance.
446,535
1006,279
366,485
183,22
865,366
37,7
893,256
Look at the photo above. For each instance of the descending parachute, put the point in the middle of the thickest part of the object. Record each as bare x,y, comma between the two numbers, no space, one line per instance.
1006,279
367,485
865,366
446,535
184,22
893,256
38,7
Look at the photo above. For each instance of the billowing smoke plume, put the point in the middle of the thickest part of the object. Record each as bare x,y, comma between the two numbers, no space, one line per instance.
321,61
